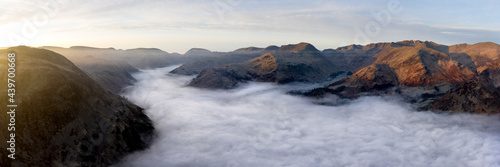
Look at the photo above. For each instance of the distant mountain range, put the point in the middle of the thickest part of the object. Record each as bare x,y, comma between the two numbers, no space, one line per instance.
421,71
65,118
73,115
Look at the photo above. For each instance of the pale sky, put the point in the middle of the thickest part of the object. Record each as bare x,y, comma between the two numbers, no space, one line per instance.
225,25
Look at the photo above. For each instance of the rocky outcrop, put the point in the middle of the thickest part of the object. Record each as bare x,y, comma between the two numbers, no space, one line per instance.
353,57
423,65
291,63
475,96
64,118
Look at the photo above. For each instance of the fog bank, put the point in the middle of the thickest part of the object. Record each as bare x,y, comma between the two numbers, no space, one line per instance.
259,124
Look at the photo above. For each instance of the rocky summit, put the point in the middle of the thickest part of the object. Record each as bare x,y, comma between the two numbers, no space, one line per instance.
64,118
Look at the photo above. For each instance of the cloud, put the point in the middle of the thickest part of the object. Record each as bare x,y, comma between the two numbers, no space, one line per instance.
260,125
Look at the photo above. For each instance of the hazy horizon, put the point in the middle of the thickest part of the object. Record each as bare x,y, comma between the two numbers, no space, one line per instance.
219,25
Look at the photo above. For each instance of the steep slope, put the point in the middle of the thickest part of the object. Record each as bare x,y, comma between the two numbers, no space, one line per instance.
354,57
425,63
475,96
139,58
374,78
414,64
485,55
196,66
64,118
291,63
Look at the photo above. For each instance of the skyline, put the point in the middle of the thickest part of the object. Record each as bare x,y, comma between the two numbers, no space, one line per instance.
220,25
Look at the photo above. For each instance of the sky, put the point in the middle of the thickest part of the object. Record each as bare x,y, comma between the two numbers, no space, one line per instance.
226,25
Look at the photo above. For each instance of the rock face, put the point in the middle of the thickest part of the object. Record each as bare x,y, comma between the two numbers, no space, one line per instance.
196,66
291,63
475,96
64,118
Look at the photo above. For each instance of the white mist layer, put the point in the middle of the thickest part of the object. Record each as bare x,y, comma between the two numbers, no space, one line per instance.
260,125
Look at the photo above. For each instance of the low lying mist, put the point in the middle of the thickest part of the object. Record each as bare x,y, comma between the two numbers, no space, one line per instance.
259,124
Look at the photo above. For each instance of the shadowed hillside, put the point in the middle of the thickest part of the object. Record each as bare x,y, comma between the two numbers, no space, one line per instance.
64,118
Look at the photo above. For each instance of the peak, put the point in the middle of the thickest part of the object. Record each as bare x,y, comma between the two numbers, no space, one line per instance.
198,51
298,47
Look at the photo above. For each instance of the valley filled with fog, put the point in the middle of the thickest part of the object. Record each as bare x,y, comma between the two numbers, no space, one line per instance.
260,124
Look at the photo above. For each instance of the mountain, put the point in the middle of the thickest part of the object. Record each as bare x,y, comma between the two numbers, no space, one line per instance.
196,66
139,58
200,52
424,73
485,55
354,57
475,96
113,68
290,63
114,75
408,64
256,49
64,118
